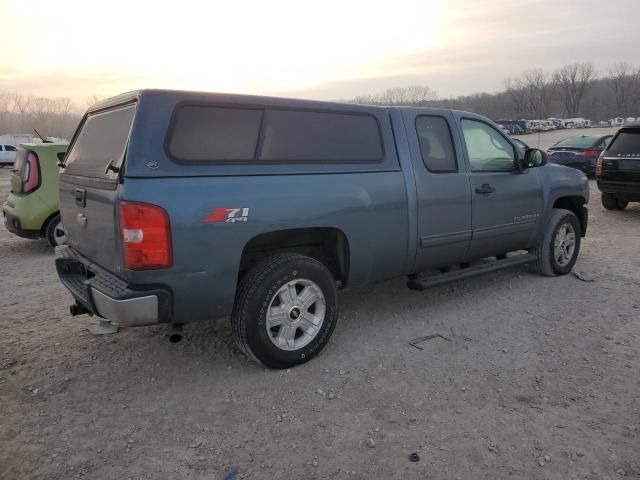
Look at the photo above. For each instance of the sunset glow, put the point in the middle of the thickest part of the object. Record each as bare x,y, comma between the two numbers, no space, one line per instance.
330,49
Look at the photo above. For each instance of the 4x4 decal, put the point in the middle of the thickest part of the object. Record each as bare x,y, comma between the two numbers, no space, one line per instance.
227,215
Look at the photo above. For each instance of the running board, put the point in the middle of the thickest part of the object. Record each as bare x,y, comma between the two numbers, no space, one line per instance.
464,273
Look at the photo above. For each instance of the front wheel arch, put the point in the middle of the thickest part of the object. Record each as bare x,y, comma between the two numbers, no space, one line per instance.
576,205
545,263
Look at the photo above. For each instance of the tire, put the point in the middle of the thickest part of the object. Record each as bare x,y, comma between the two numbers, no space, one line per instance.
558,259
612,203
55,232
298,330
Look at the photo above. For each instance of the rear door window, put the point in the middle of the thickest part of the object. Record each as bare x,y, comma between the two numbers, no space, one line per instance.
102,141
626,144
10,148
436,146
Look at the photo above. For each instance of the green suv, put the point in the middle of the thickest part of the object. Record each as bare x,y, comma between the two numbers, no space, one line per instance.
31,209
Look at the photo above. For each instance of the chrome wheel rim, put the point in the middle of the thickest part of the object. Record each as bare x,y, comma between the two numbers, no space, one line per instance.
565,244
59,234
296,314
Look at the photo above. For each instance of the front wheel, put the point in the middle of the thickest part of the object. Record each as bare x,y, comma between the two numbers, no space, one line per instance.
558,251
56,233
612,203
285,311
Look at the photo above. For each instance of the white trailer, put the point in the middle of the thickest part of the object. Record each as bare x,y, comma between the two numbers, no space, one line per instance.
15,139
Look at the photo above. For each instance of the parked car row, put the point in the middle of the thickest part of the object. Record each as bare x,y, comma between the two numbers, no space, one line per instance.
520,127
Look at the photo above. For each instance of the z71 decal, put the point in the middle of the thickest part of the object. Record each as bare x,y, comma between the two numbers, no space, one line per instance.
227,215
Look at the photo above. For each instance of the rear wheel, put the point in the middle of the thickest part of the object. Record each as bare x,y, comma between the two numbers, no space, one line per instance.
285,311
56,233
558,251
612,203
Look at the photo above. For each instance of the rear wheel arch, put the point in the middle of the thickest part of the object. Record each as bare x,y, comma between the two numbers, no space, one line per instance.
45,224
328,245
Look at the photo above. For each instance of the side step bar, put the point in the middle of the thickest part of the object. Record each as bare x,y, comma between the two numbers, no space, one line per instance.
464,273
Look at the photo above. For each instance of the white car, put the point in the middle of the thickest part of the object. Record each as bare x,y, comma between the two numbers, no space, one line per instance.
7,155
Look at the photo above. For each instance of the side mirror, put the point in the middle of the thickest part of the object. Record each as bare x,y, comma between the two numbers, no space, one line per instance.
533,157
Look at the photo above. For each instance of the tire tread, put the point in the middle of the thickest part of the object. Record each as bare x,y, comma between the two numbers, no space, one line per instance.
249,283
542,265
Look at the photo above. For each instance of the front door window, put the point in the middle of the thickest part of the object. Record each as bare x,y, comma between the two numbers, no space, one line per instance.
488,150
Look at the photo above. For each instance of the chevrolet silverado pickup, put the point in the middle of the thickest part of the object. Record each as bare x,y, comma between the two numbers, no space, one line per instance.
184,206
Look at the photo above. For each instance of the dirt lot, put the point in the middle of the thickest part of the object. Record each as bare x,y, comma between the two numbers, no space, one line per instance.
540,380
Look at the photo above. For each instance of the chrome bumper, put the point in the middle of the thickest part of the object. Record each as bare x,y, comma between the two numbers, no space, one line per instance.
102,293
130,312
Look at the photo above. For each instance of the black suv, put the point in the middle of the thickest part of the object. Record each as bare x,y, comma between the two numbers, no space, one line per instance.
618,169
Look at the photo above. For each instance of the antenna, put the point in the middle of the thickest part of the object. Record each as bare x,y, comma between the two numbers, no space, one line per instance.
44,140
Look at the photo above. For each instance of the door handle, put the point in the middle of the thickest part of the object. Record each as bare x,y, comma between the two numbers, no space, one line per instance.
485,189
81,197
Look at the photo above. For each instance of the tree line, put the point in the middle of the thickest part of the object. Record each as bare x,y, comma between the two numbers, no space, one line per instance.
51,117
575,90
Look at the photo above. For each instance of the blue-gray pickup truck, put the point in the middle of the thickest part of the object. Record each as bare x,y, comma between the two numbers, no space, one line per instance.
184,206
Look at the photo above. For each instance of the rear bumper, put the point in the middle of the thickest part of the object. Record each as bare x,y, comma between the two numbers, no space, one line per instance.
12,223
628,191
108,296
586,166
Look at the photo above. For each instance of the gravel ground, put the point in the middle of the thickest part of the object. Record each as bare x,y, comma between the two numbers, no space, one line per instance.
539,380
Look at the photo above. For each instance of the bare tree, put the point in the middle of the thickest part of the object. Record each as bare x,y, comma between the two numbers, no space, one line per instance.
413,95
22,104
93,99
571,82
624,82
535,85
517,94
63,105
5,101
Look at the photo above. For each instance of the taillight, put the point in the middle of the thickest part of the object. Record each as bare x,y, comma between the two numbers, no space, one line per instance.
31,173
590,153
146,236
599,164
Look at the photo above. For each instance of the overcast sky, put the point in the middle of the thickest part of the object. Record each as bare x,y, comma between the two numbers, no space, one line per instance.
329,49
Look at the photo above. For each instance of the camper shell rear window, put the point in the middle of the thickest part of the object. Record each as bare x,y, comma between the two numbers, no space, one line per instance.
236,134
101,141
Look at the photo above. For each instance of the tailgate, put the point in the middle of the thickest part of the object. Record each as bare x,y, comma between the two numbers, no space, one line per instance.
89,184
